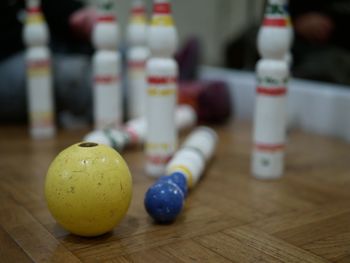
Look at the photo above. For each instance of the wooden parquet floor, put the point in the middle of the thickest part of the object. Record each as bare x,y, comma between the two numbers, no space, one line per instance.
229,216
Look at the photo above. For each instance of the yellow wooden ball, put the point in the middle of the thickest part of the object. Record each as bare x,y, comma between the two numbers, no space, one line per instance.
88,188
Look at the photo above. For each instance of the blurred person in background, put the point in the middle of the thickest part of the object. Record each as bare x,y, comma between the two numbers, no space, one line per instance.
321,48
322,41
70,25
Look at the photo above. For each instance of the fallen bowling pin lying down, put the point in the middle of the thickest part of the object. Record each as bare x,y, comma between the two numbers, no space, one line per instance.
165,199
134,131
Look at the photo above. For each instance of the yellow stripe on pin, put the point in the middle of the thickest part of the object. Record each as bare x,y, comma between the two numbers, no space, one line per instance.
35,19
138,20
186,171
160,92
162,20
157,146
41,118
36,72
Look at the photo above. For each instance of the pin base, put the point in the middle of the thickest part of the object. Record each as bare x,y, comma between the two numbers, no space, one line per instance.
267,165
42,133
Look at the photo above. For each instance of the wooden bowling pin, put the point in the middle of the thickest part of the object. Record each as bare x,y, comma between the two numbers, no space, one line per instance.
165,199
162,72
270,120
39,76
107,95
137,55
134,131
192,157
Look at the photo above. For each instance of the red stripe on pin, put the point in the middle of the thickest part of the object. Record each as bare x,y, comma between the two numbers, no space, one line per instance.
156,159
276,91
269,147
275,22
138,10
107,18
34,10
39,63
161,80
162,8
132,133
106,79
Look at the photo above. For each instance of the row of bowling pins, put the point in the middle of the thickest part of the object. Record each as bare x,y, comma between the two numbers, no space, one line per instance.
106,62
153,77
274,42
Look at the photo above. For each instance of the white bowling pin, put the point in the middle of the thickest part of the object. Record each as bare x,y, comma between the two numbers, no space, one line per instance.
270,119
39,75
107,95
138,53
162,72
193,155
134,131
107,91
161,138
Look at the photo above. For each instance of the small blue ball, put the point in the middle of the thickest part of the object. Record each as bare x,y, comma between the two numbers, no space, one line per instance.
178,178
164,201
181,181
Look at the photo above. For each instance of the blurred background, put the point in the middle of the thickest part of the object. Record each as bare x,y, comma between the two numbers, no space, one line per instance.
214,23
225,32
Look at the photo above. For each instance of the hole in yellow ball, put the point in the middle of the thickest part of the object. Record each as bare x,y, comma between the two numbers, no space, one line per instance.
88,144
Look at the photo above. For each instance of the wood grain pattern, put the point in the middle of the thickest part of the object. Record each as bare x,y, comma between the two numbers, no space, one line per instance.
228,217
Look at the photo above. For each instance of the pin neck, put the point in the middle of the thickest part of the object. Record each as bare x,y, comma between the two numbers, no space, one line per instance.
278,2
33,4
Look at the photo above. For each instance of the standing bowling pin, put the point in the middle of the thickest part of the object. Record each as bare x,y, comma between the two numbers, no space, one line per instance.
107,97
165,199
39,76
162,72
270,120
138,54
134,131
